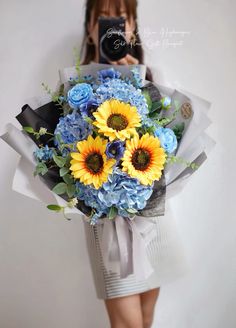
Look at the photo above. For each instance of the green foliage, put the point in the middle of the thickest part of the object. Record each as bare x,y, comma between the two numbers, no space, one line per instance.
59,160
171,159
58,208
68,179
54,95
178,130
55,208
154,107
61,145
37,134
131,210
166,120
148,98
155,111
63,171
28,129
112,212
60,188
70,189
41,168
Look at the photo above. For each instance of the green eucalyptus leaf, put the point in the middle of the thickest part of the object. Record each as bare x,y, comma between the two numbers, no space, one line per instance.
28,129
68,179
60,188
41,168
148,99
178,130
70,190
59,160
63,171
131,210
53,207
156,106
112,212
154,115
68,159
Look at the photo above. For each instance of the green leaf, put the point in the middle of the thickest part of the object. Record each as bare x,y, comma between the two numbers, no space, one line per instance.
41,168
68,159
63,171
60,188
154,115
59,160
58,138
156,106
112,212
56,208
28,129
178,130
68,179
148,99
70,190
131,210
61,90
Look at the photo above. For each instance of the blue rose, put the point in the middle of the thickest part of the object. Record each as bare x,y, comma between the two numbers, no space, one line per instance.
79,94
167,138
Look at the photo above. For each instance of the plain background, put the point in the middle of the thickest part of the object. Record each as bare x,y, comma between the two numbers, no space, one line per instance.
45,277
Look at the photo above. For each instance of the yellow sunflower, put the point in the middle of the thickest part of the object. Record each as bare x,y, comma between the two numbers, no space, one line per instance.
144,158
117,119
90,164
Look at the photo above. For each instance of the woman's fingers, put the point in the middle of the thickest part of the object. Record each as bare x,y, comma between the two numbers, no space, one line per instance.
123,61
113,62
127,60
131,60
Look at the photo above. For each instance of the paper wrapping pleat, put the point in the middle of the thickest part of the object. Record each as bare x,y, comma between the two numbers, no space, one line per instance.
123,242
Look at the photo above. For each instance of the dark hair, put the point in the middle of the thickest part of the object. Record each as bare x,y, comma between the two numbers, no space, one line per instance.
89,49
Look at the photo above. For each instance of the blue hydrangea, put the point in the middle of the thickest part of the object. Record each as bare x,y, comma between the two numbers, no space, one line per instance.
43,153
109,73
167,138
149,123
123,91
120,191
72,128
137,81
79,95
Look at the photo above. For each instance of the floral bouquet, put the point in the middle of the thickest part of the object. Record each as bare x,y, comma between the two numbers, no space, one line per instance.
109,145
106,141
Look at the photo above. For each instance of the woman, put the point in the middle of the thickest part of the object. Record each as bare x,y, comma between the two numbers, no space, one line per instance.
126,9
129,303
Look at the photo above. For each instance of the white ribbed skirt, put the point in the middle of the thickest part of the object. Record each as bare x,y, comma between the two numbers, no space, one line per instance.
165,252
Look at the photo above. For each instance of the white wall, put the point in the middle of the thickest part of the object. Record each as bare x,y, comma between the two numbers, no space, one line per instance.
45,278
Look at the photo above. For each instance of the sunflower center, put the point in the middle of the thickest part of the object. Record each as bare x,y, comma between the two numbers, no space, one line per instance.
94,162
141,159
117,122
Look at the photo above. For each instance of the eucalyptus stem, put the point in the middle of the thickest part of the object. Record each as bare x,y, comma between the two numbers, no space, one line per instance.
171,159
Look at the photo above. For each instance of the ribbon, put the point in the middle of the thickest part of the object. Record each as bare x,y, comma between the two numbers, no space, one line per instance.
124,241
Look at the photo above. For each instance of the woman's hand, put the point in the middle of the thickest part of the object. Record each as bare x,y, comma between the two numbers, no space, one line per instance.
127,60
